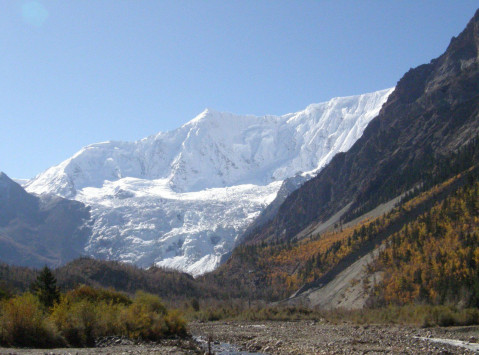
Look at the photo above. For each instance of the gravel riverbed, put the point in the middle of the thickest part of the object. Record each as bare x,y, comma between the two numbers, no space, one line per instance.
301,337
308,337
119,346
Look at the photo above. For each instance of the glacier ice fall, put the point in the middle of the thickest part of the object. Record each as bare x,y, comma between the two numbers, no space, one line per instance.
181,198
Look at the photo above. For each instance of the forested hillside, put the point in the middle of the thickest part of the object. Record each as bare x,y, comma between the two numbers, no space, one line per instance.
276,270
435,257
168,284
421,149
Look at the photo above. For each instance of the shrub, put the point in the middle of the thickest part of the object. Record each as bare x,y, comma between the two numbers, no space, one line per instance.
76,321
91,294
195,304
23,323
446,318
81,321
148,319
149,302
176,324
83,315
109,321
5,293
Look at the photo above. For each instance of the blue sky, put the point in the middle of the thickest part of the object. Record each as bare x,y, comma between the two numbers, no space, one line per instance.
74,73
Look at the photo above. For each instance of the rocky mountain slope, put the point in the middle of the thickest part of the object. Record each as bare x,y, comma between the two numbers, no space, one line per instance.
37,231
433,111
181,198
399,209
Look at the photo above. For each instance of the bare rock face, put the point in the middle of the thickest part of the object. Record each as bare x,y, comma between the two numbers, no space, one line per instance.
433,111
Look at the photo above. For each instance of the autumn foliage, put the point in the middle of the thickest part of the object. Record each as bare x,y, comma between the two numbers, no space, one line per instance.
83,315
435,258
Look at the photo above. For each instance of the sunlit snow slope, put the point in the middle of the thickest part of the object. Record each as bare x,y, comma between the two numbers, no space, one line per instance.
181,198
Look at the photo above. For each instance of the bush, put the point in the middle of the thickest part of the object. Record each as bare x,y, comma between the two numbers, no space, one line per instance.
446,318
149,302
417,315
87,313
176,324
95,295
81,321
24,323
76,321
5,293
109,321
148,319
83,315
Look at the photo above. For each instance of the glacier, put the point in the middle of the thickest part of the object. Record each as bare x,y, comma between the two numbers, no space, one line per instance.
181,199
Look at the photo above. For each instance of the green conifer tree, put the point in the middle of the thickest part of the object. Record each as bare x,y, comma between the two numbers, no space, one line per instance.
45,287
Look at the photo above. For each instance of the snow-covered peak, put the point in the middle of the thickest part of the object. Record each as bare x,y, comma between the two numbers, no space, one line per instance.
181,198
218,149
205,114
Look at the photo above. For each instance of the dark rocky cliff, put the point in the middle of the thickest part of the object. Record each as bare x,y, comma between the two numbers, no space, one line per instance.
433,112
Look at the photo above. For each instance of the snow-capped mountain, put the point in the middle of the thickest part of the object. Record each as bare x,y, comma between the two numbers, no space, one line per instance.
181,198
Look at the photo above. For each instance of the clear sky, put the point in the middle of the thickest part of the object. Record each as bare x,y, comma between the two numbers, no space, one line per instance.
78,72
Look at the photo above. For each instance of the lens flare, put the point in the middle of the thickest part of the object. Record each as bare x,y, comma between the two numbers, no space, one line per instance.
34,13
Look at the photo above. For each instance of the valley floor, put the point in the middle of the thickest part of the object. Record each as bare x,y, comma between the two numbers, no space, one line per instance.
170,347
309,337
300,337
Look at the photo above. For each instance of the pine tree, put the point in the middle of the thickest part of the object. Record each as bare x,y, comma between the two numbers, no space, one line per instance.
45,287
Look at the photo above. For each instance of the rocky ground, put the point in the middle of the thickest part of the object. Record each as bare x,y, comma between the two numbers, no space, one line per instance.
308,337
302,337
119,346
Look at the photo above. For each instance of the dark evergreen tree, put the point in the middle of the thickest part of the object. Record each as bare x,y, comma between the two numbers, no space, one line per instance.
45,287
195,304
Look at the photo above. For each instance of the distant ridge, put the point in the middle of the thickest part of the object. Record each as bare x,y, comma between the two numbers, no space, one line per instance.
38,231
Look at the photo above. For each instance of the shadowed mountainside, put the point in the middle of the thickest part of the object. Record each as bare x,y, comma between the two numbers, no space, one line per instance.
40,230
432,112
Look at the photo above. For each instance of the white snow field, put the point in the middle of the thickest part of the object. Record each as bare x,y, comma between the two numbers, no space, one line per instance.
181,198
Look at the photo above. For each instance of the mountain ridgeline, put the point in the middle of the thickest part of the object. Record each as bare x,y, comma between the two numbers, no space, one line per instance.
181,199
368,230
422,149
432,113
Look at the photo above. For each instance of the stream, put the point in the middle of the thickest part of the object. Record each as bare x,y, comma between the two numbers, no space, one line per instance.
454,342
